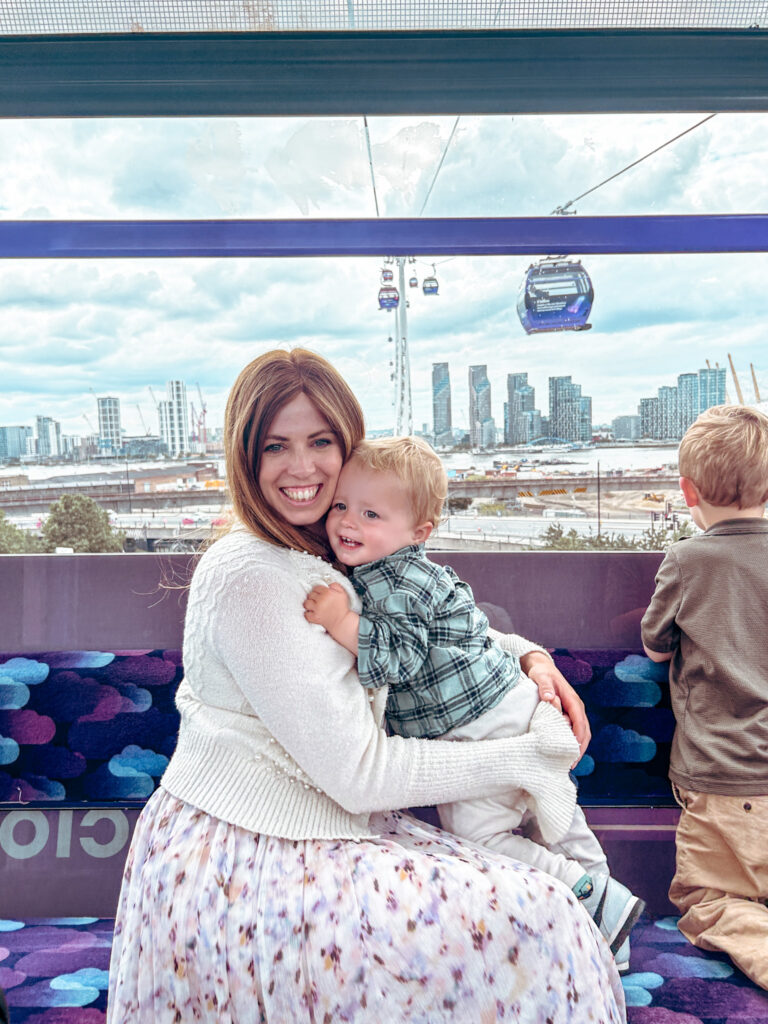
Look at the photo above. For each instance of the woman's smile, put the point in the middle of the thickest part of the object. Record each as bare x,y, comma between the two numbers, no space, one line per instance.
301,495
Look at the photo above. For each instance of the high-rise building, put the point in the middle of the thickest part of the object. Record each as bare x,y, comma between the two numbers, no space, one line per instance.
570,412
521,398
14,442
585,419
669,415
110,434
441,404
626,428
174,418
648,410
711,388
482,429
48,436
534,426
687,400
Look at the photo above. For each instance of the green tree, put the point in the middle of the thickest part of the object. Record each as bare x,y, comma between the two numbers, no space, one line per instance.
14,540
555,538
77,522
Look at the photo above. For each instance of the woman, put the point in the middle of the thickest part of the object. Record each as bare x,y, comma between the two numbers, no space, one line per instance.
265,881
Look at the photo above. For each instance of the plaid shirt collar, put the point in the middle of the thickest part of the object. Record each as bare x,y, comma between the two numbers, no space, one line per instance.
362,572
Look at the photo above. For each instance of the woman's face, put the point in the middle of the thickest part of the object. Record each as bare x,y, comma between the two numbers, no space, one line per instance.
300,463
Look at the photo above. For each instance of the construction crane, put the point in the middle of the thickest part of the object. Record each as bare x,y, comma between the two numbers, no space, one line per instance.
90,425
754,383
195,423
143,424
201,428
736,384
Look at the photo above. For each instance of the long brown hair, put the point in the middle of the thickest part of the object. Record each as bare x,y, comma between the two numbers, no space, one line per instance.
260,391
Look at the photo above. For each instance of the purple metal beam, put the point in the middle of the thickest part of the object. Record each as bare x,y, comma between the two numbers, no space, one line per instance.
495,236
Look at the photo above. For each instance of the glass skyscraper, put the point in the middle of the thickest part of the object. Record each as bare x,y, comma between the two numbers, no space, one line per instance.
442,427
482,430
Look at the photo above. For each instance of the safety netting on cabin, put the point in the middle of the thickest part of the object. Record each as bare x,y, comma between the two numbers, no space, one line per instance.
33,17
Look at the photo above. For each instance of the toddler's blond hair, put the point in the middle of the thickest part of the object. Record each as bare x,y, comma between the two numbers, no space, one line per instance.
416,465
725,453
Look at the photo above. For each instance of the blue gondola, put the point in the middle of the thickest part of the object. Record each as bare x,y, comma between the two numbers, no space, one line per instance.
555,295
430,286
389,297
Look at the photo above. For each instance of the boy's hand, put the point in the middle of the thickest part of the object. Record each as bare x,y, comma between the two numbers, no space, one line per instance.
327,606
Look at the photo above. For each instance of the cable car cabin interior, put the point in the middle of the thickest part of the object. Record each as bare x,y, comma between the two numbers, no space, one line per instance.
555,296
83,633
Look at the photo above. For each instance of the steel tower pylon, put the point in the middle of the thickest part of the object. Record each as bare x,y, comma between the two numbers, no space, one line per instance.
403,407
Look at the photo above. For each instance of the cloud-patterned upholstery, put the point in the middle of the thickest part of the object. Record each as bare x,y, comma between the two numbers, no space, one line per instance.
78,726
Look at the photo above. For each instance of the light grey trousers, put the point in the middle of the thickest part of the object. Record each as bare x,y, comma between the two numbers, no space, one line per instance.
507,824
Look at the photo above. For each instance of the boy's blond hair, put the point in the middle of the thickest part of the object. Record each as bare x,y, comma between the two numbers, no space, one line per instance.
725,453
416,465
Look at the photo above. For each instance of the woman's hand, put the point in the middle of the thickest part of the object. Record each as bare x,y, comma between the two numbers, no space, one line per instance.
555,689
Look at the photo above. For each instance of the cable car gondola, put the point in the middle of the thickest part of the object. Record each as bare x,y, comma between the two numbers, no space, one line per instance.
413,282
429,287
386,275
389,297
555,295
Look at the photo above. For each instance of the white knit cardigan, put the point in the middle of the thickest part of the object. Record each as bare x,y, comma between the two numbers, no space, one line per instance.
277,734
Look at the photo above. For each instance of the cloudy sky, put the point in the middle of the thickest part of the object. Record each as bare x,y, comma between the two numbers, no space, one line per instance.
118,326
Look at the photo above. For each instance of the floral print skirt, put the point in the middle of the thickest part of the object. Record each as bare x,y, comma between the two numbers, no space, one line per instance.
218,924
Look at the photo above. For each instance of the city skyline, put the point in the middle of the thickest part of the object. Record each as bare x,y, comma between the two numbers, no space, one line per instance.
663,416
116,326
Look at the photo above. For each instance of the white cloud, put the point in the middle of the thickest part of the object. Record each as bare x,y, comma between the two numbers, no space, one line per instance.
120,325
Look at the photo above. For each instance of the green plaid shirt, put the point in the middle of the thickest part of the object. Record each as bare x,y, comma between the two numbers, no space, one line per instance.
422,635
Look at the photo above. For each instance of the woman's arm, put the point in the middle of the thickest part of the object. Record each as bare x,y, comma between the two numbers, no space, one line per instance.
304,688
554,688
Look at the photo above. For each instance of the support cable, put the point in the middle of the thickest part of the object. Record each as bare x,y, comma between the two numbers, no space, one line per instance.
370,163
564,209
442,158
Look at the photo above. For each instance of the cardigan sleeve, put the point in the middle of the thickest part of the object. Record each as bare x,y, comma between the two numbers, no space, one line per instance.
516,645
304,688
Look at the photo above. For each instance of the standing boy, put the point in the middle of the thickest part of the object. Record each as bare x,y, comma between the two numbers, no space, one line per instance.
421,634
709,618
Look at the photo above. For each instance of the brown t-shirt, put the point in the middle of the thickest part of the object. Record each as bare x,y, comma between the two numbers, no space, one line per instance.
710,608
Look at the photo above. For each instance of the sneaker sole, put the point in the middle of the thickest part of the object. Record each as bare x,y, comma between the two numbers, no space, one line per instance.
632,911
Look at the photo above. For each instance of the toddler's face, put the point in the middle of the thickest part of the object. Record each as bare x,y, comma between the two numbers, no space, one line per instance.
370,516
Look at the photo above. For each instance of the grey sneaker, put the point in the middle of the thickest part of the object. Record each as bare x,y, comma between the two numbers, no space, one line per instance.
621,957
615,910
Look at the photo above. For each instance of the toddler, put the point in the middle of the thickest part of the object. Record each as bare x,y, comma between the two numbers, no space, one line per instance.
421,634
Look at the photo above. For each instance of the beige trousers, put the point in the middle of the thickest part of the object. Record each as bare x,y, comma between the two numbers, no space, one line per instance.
721,880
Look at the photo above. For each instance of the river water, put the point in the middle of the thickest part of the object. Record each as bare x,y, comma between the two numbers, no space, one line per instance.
548,460
584,460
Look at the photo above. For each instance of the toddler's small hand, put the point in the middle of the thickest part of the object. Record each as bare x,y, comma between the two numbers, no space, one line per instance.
326,605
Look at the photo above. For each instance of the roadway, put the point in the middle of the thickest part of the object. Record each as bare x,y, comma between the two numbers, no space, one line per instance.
523,530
